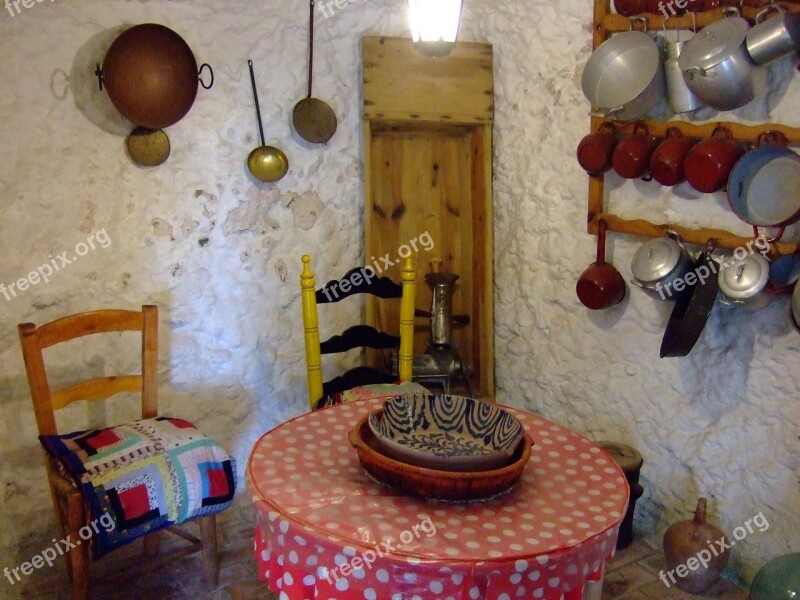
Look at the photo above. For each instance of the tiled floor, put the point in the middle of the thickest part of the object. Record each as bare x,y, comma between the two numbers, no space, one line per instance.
632,575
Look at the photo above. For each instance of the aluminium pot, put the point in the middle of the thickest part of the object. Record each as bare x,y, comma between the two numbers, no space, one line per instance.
772,39
624,76
744,282
717,67
659,264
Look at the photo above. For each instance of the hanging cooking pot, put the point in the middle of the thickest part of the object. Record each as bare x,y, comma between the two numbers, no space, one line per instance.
694,306
600,285
745,282
624,76
795,307
717,67
771,39
151,75
659,264
764,185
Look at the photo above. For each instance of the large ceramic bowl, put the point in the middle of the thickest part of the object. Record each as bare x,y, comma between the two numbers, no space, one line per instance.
450,433
433,483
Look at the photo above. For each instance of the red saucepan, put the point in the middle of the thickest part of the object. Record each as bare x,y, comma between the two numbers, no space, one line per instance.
600,285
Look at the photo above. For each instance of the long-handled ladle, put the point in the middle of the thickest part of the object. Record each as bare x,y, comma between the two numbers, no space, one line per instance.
266,163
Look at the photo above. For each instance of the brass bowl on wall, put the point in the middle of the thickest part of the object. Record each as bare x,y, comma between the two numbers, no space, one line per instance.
148,147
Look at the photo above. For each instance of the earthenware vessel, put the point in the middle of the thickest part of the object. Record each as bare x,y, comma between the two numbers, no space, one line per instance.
694,557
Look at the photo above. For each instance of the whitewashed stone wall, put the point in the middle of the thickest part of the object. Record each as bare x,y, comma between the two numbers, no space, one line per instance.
219,253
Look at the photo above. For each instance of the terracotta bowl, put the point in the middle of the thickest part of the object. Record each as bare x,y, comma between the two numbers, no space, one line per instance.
432,483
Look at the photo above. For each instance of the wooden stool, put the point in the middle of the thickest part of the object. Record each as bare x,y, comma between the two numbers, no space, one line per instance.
630,461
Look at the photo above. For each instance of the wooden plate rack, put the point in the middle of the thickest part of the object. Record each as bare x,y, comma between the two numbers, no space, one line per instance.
606,24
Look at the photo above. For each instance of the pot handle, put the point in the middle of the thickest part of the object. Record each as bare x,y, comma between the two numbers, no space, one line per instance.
723,132
761,15
200,79
640,19
773,136
98,72
601,242
604,113
693,72
777,238
674,235
637,283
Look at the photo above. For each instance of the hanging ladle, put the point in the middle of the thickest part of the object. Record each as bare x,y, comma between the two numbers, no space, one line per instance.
266,163
313,119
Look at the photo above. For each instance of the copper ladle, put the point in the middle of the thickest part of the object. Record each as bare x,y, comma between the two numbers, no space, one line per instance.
266,163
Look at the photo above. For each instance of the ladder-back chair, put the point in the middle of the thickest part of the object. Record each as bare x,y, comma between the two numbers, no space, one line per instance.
69,492
357,281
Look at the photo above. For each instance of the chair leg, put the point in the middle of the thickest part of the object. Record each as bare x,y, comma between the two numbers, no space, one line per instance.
78,555
61,516
208,535
151,543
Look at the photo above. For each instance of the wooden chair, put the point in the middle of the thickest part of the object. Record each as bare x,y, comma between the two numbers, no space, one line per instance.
70,505
356,281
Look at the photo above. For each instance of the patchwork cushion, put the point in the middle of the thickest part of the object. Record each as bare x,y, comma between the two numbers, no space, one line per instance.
378,390
143,476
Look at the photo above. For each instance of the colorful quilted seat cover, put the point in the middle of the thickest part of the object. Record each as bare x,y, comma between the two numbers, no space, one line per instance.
143,476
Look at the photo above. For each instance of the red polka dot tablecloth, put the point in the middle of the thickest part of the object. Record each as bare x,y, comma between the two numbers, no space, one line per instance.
327,530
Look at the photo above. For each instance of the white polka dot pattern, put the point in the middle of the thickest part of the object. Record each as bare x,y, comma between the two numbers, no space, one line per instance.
327,530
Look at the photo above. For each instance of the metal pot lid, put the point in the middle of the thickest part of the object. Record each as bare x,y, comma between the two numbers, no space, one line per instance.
656,259
744,278
714,44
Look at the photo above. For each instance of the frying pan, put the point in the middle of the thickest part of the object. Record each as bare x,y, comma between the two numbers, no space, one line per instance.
692,309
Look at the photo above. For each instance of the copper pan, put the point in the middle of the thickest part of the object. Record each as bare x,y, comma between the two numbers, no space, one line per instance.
151,75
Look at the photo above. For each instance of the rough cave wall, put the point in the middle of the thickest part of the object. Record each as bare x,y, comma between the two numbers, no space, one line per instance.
220,253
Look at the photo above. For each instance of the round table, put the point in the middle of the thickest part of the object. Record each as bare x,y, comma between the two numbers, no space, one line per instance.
327,530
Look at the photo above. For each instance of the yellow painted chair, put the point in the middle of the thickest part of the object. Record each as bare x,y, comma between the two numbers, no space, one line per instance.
69,491
356,281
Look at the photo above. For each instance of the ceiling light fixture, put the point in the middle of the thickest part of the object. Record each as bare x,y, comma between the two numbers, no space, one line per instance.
434,25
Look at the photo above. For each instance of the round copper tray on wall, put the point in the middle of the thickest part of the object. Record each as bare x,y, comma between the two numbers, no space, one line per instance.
432,483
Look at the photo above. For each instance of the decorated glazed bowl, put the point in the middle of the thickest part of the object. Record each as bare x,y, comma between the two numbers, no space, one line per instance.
451,433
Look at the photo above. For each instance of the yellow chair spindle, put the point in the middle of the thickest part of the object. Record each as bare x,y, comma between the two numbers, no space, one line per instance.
406,353
311,333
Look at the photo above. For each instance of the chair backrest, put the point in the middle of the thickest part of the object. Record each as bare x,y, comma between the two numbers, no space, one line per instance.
35,339
357,281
